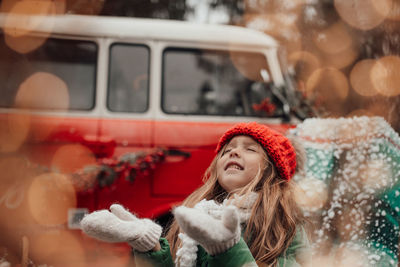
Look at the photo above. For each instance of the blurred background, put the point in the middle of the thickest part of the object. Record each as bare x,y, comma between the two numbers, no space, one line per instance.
332,45
340,58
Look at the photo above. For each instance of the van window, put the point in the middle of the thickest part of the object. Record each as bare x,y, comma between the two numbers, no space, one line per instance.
210,82
73,62
128,86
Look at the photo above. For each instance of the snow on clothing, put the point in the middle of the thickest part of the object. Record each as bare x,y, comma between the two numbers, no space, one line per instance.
235,253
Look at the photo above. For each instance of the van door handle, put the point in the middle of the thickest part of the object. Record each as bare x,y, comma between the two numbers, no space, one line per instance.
178,153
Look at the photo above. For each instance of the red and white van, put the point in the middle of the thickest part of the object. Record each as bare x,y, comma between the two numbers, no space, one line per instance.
106,89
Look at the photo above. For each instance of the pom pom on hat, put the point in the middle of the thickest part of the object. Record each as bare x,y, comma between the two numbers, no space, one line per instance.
278,147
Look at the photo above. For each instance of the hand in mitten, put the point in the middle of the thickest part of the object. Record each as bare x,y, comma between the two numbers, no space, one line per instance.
215,236
119,225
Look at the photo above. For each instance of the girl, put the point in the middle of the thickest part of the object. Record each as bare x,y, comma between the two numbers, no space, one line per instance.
243,215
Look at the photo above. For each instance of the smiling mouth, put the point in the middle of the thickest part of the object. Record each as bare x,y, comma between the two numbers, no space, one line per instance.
233,165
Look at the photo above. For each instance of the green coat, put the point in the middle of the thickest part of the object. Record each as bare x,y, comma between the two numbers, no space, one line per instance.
237,256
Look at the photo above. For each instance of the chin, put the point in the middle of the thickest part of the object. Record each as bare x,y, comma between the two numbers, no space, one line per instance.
229,188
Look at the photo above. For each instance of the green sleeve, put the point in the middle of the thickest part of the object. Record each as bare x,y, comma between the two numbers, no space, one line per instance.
384,229
297,254
237,256
161,258
299,251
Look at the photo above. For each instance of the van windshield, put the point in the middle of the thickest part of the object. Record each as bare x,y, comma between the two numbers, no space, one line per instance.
60,74
215,82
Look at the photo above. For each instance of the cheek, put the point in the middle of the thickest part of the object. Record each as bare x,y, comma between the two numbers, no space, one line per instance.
255,167
219,167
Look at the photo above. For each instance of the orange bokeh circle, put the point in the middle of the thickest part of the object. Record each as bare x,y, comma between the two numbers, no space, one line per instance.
360,77
341,59
304,62
23,19
50,196
333,39
71,158
58,248
363,14
24,44
385,77
14,130
43,90
329,83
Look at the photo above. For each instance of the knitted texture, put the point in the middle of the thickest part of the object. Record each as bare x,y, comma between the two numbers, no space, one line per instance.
214,235
278,147
203,223
119,225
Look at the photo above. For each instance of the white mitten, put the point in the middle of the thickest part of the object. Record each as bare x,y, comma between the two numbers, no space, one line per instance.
120,225
215,236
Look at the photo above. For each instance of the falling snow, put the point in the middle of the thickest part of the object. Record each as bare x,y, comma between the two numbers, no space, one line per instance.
354,164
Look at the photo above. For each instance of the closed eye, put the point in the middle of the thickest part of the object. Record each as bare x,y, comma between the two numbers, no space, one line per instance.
226,151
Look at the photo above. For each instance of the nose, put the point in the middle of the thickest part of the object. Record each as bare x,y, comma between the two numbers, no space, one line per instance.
234,153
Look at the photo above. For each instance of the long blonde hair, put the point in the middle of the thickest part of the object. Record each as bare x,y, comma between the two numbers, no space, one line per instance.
273,220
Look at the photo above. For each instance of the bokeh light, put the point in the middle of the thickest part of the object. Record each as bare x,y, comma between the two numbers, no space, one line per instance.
385,77
72,158
363,14
50,196
281,26
305,63
24,44
43,90
341,59
58,248
20,24
311,194
328,85
360,77
334,39
14,130
249,67
17,25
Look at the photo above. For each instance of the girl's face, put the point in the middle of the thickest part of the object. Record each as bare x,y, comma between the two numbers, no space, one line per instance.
240,162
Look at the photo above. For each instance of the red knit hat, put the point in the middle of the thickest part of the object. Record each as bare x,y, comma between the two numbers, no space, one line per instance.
277,146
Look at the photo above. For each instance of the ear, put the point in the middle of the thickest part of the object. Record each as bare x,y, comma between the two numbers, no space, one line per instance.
301,155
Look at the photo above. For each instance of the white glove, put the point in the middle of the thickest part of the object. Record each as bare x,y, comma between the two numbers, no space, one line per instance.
215,236
120,225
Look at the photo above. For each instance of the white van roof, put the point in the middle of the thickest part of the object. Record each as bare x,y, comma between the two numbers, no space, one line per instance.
151,29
